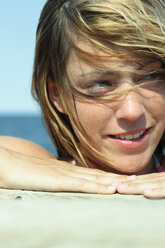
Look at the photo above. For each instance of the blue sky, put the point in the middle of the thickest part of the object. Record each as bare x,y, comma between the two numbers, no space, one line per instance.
18,22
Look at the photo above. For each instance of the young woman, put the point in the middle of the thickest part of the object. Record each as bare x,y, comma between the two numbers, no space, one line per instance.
99,78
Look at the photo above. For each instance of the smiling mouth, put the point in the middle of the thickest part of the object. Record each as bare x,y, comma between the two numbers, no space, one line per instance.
133,136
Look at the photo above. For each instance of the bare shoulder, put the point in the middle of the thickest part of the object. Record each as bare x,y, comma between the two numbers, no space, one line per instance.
24,146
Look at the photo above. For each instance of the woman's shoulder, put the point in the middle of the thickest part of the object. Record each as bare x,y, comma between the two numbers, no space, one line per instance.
24,146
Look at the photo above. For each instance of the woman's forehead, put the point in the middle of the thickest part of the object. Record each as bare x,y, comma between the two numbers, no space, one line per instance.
77,67
77,64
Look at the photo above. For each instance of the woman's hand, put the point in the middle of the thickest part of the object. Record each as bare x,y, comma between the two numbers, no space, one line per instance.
20,171
33,168
150,185
24,172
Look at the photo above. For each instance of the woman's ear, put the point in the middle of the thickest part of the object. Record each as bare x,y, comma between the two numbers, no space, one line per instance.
54,96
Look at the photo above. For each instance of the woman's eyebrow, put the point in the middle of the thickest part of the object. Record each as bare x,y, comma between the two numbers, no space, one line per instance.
148,64
108,72
97,71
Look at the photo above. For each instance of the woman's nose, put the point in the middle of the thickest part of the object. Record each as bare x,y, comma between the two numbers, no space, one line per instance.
131,108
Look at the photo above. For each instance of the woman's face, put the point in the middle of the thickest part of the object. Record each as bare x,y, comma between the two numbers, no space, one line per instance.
126,128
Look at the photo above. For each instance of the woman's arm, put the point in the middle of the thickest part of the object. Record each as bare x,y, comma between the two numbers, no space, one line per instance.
25,165
24,146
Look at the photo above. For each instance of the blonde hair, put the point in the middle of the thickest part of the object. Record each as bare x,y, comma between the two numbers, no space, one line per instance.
137,24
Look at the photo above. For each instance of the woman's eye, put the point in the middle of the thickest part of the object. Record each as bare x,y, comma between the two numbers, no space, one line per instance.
99,88
151,76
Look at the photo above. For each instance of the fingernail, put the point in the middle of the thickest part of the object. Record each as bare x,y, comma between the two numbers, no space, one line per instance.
148,191
132,177
111,188
123,186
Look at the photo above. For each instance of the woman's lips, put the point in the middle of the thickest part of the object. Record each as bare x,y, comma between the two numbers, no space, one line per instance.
132,143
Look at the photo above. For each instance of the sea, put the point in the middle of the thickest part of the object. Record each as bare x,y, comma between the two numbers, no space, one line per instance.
30,127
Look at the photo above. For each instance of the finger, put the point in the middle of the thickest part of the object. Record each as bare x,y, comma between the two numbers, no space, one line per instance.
156,193
91,174
154,177
55,182
66,184
138,188
97,176
106,180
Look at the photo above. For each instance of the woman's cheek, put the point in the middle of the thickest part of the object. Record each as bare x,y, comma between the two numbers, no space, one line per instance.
93,116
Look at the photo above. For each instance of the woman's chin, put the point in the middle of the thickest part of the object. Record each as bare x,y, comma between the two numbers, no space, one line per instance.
134,170
129,168
128,165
